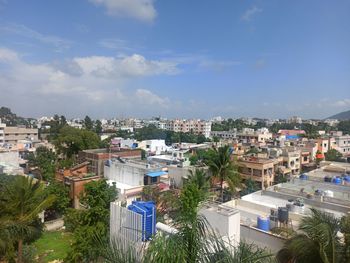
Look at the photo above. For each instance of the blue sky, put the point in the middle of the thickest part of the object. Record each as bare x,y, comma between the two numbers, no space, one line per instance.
197,58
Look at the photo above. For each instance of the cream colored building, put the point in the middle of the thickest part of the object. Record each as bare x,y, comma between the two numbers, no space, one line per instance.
14,134
260,170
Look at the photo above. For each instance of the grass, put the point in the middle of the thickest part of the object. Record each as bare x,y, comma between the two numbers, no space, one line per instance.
53,245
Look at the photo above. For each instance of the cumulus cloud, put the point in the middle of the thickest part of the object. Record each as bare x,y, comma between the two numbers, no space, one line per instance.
139,9
250,13
78,85
148,97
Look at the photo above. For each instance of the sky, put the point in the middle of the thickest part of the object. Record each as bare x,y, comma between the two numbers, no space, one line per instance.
175,59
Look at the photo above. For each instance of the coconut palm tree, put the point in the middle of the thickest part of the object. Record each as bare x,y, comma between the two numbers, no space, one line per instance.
222,167
318,241
195,241
23,200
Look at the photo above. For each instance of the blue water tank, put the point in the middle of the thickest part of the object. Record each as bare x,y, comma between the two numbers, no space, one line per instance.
148,212
303,177
263,223
337,180
347,178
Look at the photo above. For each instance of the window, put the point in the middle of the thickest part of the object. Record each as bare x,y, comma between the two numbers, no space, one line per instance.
154,180
305,158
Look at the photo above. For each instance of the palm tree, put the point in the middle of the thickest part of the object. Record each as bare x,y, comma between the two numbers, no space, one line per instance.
200,178
24,199
194,242
223,168
318,241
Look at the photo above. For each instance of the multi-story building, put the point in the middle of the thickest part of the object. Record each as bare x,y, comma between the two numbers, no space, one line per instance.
342,144
250,136
14,134
295,119
224,134
260,170
97,157
193,126
2,133
291,159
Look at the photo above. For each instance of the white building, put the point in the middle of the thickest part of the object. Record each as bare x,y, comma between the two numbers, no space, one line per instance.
153,146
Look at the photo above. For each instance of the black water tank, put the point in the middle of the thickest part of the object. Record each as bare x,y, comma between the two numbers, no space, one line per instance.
283,214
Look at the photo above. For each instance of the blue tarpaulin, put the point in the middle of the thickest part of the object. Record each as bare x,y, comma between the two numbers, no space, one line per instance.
156,174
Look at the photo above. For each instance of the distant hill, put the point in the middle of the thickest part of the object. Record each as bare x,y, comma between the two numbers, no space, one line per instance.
345,115
10,118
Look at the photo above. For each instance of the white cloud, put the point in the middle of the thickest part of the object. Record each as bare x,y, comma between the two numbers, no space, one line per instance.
139,9
81,84
147,97
249,14
57,42
114,43
342,103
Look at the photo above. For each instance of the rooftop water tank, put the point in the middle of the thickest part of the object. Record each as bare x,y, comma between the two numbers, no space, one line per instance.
329,193
283,214
303,177
328,179
148,212
263,223
347,179
337,180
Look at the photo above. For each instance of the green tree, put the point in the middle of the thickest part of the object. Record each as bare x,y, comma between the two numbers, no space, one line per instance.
90,222
250,187
44,159
98,127
222,167
21,203
88,123
318,241
334,156
194,241
62,200
71,140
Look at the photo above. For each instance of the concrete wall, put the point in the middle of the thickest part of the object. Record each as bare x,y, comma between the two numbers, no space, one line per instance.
261,238
225,224
124,173
10,158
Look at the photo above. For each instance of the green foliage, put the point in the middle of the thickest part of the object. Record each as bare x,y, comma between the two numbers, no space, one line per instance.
344,126
88,123
334,156
250,187
61,192
223,168
200,157
44,159
20,204
86,224
29,253
98,127
318,241
71,140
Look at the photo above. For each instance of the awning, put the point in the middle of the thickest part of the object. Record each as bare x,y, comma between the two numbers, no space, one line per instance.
156,174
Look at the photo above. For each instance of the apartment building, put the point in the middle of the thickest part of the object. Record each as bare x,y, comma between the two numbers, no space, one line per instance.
250,136
193,126
342,144
2,133
224,134
291,159
260,170
12,135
